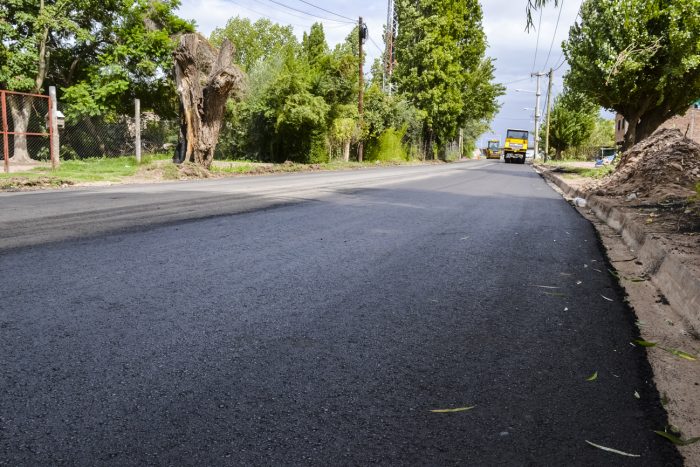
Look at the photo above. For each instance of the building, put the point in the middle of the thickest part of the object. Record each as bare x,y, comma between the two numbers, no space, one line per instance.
688,124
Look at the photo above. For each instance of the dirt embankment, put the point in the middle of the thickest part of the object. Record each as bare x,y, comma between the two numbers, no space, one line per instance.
665,167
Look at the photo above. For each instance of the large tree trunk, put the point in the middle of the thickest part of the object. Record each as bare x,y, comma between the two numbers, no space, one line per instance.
20,108
204,77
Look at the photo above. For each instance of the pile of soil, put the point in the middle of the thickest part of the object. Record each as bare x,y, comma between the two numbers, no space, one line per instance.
20,183
663,168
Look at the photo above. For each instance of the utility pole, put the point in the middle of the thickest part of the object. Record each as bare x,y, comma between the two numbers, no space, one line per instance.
549,110
391,27
537,113
137,130
362,34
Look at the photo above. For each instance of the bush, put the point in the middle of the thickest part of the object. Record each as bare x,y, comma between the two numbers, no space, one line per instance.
388,146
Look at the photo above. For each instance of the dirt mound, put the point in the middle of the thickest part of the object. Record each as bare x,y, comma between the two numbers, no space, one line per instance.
189,170
663,167
20,183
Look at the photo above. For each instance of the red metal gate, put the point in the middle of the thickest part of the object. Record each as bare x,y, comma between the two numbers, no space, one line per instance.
27,121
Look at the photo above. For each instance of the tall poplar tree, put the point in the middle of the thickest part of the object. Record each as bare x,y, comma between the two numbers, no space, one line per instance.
442,68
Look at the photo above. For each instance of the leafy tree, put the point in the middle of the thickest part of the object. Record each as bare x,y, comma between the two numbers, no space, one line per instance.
640,58
572,121
441,65
101,54
254,42
314,44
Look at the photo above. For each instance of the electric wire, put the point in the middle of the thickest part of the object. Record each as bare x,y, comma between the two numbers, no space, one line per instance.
537,45
305,12
276,20
375,44
328,11
554,36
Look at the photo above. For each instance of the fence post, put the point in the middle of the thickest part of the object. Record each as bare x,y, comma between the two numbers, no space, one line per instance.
5,143
53,128
137,124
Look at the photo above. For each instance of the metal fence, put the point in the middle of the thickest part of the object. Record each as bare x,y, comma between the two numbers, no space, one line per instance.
89,137
25,128
28,138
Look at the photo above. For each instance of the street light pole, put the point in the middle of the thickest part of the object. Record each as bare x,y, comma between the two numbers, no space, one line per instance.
537,113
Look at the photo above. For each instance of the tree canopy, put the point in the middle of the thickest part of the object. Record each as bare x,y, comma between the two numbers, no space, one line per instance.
101,54
442,68
640,58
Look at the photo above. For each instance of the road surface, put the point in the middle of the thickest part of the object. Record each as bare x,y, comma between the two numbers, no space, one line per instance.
318,319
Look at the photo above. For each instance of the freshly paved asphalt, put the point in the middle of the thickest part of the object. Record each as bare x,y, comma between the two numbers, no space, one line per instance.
324,330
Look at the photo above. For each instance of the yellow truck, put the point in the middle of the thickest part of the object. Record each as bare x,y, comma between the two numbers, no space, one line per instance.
493,149
515,148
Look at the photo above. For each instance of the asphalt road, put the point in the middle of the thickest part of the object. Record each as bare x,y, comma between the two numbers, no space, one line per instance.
318,326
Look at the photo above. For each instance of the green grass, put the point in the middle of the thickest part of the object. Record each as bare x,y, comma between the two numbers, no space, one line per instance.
157,167
107,169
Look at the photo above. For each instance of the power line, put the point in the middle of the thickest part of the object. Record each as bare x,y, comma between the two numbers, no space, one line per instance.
537,45
305,12
276,20
517,80
327,11
554,36
375,44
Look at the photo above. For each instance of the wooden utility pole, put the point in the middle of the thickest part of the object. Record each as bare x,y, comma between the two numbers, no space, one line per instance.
361,95
549,110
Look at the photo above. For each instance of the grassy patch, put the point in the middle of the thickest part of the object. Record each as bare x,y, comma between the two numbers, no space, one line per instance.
107,169
570,169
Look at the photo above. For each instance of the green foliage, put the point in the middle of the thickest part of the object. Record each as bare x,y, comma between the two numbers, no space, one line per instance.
101,54
388,146
442,68
640,58
572,121
254,43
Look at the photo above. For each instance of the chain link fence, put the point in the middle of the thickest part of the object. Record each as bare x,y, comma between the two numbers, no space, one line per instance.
113,137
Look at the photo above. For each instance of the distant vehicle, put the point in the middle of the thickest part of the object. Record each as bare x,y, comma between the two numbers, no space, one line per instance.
515,149
607,157
493,149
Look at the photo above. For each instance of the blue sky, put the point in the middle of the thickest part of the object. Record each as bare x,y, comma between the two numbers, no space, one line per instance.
517,52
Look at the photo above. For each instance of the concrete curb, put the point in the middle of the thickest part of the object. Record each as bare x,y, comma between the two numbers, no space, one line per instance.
680,286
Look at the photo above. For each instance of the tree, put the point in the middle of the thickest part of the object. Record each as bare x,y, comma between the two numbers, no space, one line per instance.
205,77
441,67
572,121
640,58
255,42
101,54
314,44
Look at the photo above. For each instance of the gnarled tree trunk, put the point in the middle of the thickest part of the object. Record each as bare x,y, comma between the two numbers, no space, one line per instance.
205,78
20,110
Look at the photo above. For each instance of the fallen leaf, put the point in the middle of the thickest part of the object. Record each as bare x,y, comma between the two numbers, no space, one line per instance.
555,294
608,299
546,286
636,394
622,453
644,343
593,377
676,440
681,354
459,409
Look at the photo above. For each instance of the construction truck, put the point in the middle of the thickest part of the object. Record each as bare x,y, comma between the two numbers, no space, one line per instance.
493,149
515,148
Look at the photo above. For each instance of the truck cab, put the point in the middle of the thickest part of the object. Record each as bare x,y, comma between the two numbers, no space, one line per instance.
515,147
493,150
